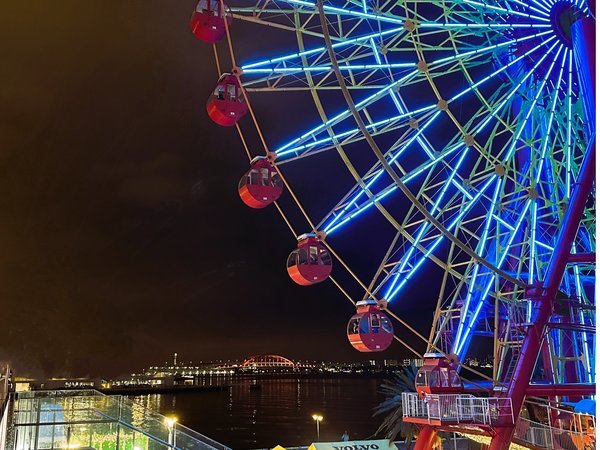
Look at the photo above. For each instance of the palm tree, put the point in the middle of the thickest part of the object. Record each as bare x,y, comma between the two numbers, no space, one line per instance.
392,424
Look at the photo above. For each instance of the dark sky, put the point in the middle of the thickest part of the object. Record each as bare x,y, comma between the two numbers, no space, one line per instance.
122,236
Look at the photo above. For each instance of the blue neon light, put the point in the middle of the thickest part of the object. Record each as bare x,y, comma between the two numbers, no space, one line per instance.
344,114
439,240
424,227
461,339
322,49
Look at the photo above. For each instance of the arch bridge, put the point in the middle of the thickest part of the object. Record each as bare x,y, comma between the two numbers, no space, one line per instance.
267,362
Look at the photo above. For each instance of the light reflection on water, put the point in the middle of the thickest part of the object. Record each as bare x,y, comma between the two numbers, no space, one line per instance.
278,413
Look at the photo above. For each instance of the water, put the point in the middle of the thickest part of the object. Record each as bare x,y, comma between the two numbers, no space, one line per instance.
278,413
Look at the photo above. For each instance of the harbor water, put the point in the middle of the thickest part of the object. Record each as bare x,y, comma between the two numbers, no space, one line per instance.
265,412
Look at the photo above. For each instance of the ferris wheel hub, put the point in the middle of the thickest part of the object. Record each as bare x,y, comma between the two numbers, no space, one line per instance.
563,15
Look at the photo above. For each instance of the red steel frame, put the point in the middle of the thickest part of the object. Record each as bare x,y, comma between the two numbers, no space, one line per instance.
543,297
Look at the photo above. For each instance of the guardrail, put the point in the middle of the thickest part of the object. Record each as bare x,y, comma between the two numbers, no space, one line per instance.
544,436
458,408
88,418
4,408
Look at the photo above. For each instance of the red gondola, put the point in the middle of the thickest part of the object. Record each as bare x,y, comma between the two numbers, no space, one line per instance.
208,21
310,263
261,185
226,105
437,376
370,329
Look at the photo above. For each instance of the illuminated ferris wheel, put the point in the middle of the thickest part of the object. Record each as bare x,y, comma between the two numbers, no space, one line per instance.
468,127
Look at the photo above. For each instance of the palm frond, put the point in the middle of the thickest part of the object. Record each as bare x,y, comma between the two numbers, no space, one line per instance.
393,425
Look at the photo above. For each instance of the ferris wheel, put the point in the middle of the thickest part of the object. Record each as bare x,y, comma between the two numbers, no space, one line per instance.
464,125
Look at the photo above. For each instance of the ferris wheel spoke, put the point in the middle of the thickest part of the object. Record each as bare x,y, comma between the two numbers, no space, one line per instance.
425,166
532,257
274,66
536,6
544,151
435,210
344,115
512,12
287,150
275,21
395,288
351,209
353,135
284,150
348,21
552,188
503,69
548,3
396,267
346,12
341,218
468,25
510,152
541,9
480,248
372,39
334,221
588,351
569,124
461,339
326,68
462,55
462,334
292,63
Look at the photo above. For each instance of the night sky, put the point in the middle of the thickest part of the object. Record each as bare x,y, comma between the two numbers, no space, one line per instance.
123,237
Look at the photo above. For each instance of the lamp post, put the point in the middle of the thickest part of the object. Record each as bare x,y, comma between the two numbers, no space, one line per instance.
317,418
171,422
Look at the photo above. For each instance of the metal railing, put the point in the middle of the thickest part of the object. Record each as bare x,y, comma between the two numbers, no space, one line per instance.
544,436
458,408
90,419
4,408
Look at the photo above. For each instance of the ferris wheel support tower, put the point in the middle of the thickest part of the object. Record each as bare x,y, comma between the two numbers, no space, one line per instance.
584,45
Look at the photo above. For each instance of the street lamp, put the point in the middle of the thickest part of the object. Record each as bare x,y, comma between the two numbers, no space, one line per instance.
317,418
171,422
